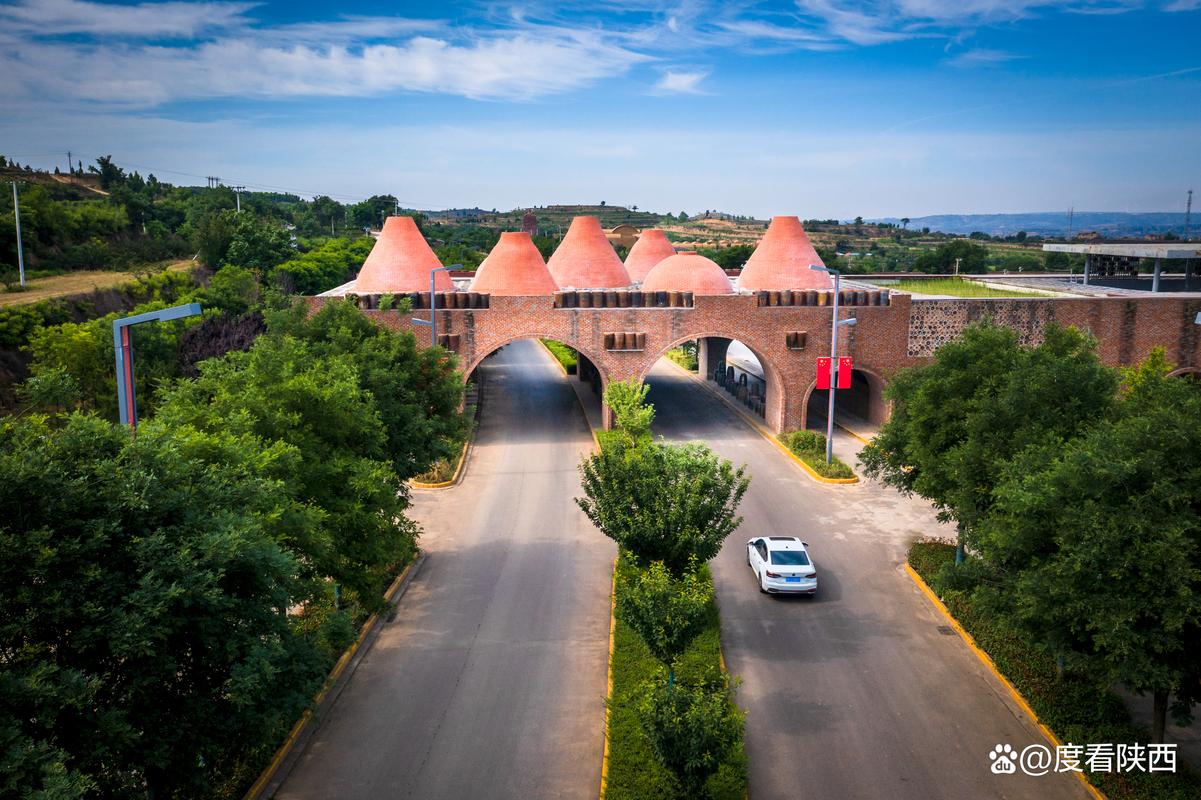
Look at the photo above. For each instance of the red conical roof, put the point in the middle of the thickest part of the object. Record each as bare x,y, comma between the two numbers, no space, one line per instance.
401,262
782,259
586,260
651,248
514,267
688,273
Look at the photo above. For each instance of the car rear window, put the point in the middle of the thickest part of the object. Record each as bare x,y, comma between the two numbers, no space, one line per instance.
790,558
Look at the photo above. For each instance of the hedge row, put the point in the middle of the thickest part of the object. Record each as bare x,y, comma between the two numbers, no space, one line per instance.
1074,706
568,357
810,447
634,773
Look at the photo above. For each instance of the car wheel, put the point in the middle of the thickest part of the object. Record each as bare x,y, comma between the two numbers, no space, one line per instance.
762,588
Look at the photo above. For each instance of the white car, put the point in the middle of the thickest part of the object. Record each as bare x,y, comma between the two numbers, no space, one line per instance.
782,565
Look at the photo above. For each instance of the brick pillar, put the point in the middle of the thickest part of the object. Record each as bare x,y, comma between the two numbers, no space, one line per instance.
710,351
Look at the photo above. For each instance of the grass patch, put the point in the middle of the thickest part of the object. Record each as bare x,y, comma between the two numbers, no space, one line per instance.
634,773
956,287
566,356
46,285
442,471
685,358
1074,707
810,447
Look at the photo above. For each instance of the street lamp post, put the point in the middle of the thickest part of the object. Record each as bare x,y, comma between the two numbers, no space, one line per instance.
834,323
123,347
433,320
20,247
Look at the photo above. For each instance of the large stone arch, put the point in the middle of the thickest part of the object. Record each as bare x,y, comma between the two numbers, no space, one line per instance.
596,358
776,390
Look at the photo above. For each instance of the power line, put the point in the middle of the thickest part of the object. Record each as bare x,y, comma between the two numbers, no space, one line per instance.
213,181
290,190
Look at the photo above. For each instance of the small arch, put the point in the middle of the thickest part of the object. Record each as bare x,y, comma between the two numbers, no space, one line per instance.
1193,372
865,399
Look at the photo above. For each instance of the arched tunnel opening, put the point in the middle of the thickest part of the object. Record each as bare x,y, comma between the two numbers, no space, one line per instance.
862,403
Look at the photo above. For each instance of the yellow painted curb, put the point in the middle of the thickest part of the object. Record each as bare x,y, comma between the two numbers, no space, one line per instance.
604,785
330,679
454,478
988,662
554,358
765,433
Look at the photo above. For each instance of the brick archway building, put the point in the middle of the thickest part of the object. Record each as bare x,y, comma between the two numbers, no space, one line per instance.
623,330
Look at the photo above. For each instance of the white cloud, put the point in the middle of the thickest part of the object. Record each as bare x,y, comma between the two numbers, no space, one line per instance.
1182,5
871,22
298,61
145,20
981,57
679,82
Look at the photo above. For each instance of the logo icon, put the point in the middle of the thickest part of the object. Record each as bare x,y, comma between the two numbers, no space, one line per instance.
1002,757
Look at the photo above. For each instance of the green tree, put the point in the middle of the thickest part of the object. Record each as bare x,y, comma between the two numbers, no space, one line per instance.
1104,541
332,263
972,257
282,391
691,728
729,257
257,244
631,413
232,289
669,503
143,588
417,390
668,613
958,421
212,237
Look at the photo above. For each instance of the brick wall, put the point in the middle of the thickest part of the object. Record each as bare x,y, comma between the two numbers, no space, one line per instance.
885,339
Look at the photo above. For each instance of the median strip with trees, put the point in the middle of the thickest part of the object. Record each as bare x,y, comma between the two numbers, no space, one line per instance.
673,727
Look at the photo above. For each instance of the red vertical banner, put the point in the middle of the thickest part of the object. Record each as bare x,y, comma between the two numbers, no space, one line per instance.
844,373
823,373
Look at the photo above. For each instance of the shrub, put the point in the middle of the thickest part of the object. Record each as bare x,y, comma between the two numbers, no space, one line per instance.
635,773
810,447
692,727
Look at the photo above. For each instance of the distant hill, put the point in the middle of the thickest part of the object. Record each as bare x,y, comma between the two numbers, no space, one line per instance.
1110,224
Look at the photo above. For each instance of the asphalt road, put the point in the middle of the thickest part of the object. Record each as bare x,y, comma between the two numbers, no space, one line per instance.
489,681
854,693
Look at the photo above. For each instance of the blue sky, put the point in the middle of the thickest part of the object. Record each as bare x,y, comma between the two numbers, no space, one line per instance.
816,107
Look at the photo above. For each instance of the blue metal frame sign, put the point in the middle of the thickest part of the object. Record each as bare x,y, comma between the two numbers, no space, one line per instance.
123,346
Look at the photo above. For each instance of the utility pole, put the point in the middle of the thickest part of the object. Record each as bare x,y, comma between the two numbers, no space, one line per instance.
20,248
1188,212
835,323
1071,213
238,193
957,265
70,164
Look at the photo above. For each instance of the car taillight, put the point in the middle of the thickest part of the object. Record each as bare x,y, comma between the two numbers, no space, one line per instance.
771,574
812,575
